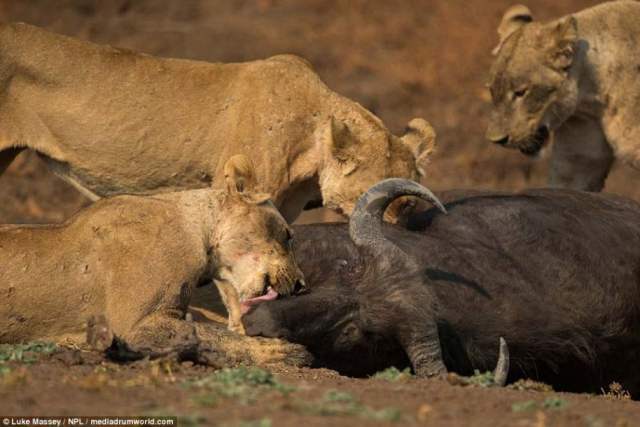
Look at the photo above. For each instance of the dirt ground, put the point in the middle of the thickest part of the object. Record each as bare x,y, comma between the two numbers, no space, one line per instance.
75,382
400,59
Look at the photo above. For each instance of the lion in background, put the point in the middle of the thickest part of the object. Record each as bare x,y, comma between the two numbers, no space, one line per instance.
576,76
111,121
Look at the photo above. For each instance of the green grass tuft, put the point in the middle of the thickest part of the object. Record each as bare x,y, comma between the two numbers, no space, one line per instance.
191,420
527,405
530,405
336,403
25,353
263,422
338,396
554,403
244,384
530,385
485,379
4,369
207,399
393,374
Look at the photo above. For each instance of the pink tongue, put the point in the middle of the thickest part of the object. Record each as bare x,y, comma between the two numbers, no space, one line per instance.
271,294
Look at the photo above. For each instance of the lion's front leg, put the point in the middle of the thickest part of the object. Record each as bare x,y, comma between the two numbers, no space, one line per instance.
208,343
581,158
157,335
231,301
216,341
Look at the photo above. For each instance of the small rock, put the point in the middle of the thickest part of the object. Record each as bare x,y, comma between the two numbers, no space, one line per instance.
423,412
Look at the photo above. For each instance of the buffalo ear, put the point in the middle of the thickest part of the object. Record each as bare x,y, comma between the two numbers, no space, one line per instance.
239,175
513,19
420,139
563,36
340,145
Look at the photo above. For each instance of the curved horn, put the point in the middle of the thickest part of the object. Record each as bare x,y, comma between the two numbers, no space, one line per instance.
502,367
365,225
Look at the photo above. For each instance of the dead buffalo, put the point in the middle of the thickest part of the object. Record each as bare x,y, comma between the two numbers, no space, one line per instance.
555,272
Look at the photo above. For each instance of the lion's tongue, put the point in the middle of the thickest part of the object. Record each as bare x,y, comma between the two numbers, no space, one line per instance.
245,306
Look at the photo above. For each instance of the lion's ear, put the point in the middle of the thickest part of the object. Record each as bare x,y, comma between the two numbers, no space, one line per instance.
564,36
513,19
239,175
339,146
420,138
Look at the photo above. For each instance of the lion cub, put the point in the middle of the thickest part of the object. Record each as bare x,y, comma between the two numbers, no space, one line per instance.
133,258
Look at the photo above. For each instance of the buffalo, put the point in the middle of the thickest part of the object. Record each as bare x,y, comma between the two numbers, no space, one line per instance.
554,272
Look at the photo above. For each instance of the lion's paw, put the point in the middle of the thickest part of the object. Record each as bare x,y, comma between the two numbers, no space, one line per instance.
268,351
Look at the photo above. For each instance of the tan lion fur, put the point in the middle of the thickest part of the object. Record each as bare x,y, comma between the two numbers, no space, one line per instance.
111,121
129,258
578,76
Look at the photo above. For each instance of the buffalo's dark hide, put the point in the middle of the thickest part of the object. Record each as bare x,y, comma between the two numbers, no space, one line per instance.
555,272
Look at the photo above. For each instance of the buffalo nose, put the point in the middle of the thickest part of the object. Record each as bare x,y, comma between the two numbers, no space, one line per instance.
501,141
299,287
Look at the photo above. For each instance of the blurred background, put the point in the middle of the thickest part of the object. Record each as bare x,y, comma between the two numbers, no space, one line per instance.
400,59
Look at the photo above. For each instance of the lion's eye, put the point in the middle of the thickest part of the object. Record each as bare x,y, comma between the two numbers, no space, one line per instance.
519,93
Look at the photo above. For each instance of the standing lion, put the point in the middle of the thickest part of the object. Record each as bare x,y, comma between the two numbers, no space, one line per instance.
112,121
577,76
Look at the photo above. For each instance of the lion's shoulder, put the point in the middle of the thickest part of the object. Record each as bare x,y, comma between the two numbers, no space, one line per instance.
294,60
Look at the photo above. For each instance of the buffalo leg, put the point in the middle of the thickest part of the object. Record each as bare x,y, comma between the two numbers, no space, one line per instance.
423,349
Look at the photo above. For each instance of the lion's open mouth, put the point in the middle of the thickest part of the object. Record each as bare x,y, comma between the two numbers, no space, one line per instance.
536,142
269,295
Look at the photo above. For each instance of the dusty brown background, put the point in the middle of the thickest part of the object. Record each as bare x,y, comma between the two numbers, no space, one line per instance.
400,59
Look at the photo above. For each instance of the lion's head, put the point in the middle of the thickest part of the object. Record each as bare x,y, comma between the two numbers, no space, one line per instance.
532,80
253,241
356,156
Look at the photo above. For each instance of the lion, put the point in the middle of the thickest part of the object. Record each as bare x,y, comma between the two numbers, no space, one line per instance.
576,76
136,259
111,121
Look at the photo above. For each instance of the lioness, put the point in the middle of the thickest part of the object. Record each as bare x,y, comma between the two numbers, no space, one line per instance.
576,76
112,121
135,260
